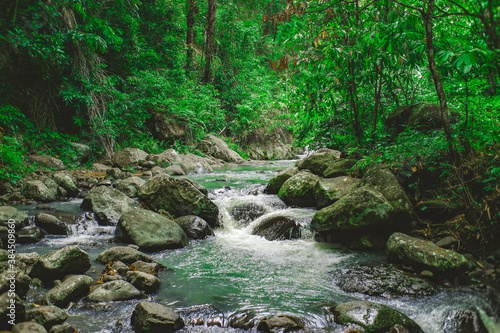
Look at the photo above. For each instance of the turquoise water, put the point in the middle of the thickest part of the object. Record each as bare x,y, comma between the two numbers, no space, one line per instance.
235,271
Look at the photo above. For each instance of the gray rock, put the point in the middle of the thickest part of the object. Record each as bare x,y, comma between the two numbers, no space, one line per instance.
81,152
425,255
174,170
152,268
372,317
122,268
51,224
218,148
114,291
280,323
419,116
62,328
143,281
8,213
19,278
329,191
449,242
319,161
57,264
150,231
37,190
166,158
155,318
108,204
98,167
28,258
247,212
194,226
28,327
339,168
124,254
191,163
179,197
130,186
277,228
47,315
129,157
66,182
29,235
298,190
276,182
46,161
71,289
9,312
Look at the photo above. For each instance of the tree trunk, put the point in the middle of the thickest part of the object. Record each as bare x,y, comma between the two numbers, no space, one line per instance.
189,34
378,89
427,16
354,103
209,45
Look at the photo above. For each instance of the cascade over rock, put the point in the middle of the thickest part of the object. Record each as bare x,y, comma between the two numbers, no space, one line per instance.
108,204
274,185
298,190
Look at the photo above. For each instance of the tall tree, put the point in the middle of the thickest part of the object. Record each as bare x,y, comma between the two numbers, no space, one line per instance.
209,44
190,35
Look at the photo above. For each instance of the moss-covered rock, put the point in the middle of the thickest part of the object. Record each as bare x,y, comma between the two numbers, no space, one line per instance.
276,182
108,204
46,161
425,255
151,317
179,197
124,254
339,168
319,161
280,323
39,191
47,315
8,213
298,190
130,186
129,157
118,290
150,231
423,116
277,227
66,182
71,289
57,264
373,317
194,226
328,191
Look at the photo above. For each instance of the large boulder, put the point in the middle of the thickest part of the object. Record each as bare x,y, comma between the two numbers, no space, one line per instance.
424,116
191,163
57,264
330,190
339,168
275,183
118,290
363,211
9,313
37,190
319,161
129,157
20,279
277,227
108,204
383,180
270,151
179,197
28,327
71,289
298,190
125,254
66,182
47,315
29,235
155,318
373,317
8,213
130,186
150,231
51,224
46,161
247,212
144,281
218,148
166,158
194,226
425,255
280,323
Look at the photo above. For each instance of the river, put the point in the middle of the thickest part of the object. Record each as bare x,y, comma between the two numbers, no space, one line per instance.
235,271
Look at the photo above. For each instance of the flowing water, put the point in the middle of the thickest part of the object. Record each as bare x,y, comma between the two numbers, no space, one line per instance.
235,271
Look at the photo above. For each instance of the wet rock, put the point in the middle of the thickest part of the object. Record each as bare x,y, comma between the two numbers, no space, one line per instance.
276,182
28,258
425,255
179,197
385,281
16,278
51,224
339,168
46,161
318,162
130,186
298,190
380,178
155,318
143,281
122,268
152,268
280,323
124,254
118,290
150,231
29,235
218,148
66,182
47,315
194,226
372,317
191,163
277,228
71,289
129,157
62,328
242,320
8,213
108,204
37,190
360,212
10,308
247,212
329,191
57,264
28,327
98,167
203,315
464,321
